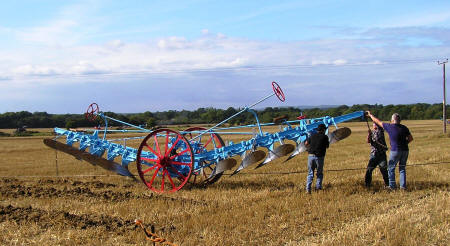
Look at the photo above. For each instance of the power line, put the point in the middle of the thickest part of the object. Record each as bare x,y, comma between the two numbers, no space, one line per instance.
224,69
241,173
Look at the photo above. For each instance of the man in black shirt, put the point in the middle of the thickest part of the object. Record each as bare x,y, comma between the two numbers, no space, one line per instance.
317,145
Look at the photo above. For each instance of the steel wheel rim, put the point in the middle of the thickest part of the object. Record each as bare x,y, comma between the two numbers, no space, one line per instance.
213,140
91,112
278,91
162,172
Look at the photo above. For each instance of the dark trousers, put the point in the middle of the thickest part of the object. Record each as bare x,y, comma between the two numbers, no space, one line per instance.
380,160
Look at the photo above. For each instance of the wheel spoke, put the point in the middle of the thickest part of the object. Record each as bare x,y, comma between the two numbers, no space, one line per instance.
208,142
178,173
178,154
162,179
153,178
216,142
148,169
148,159
157,144
179,163
152,150
171,181
166,144
173,145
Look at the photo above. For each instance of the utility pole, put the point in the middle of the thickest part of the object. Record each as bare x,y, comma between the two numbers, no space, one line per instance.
444,111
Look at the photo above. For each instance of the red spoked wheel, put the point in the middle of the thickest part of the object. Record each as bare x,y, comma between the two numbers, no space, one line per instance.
165,161
278,91
206,142
91,112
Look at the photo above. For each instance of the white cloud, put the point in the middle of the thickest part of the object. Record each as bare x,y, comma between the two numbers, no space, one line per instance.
339,62
116,43
84,67
220,64
34,70
211,52
173,43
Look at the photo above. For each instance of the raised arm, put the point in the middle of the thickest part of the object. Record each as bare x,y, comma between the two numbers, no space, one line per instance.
375,119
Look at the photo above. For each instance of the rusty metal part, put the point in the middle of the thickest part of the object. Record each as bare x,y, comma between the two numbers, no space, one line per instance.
107,164
339,134
280,119
64,148
152,235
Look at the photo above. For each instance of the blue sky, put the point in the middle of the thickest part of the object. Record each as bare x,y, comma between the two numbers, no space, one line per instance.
135,56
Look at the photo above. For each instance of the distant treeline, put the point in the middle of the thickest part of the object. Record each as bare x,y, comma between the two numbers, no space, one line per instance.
419,111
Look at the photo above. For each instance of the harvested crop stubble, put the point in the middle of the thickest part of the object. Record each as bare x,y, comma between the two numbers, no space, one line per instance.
255,207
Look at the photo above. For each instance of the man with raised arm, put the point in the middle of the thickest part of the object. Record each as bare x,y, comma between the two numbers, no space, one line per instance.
378,158
399,138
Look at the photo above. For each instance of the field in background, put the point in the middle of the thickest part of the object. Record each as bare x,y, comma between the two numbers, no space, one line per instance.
267,206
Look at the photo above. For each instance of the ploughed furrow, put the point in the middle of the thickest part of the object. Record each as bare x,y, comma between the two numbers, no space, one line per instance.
94,184
36,190
18,190
68,182
62,219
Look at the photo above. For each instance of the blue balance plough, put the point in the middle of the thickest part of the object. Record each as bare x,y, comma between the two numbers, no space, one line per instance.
167,160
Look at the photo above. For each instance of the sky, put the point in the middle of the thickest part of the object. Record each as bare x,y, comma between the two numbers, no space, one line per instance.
136,56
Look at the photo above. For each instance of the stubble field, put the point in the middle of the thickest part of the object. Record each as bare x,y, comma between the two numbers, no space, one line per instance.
86,205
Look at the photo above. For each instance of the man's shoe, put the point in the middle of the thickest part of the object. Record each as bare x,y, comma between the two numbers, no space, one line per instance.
308,191
388,188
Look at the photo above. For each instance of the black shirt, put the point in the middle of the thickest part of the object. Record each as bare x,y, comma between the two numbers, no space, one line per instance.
318,144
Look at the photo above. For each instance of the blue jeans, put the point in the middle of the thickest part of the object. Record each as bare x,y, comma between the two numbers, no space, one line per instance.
313,163
400,156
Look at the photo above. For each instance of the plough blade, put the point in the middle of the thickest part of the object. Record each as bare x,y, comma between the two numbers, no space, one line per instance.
301,147
280,151
252,158
223,166
339,134
92,159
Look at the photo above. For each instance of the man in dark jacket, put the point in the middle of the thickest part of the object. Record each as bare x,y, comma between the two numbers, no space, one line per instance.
378,150
317,145
399,137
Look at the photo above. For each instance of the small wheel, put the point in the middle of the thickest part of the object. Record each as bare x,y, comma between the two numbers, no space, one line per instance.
206,142
165,161
278,91
91,112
